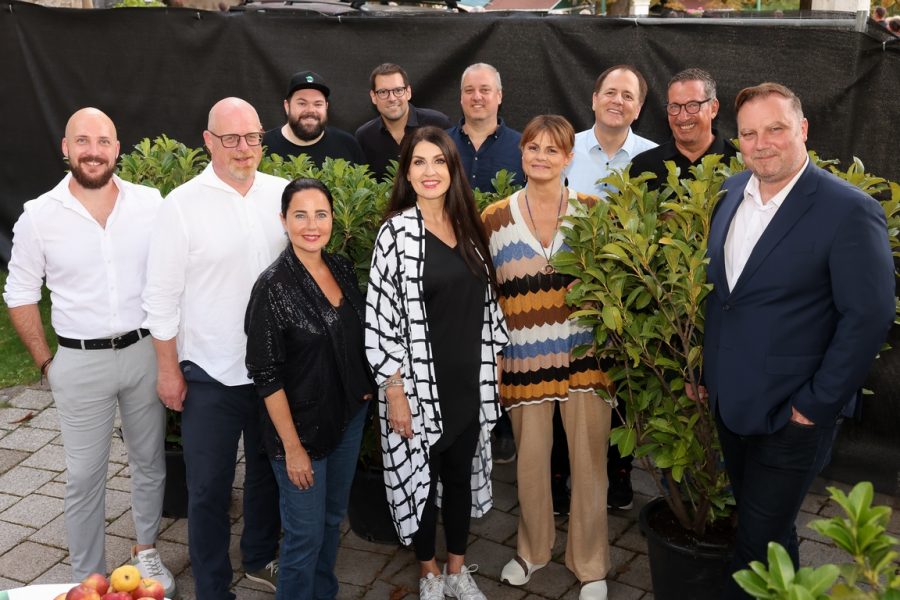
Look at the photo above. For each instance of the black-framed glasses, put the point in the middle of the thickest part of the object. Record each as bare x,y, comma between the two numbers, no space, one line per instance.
691,108
385,93
231,140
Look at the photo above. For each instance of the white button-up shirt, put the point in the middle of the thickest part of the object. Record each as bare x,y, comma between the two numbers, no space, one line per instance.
591,163
95,274
209,244
750,221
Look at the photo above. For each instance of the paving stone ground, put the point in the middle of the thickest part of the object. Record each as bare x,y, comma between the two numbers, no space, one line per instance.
33,545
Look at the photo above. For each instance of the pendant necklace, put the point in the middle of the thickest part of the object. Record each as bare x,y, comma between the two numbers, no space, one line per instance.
548,269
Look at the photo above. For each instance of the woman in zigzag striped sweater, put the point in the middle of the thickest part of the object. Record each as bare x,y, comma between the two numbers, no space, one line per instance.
539,369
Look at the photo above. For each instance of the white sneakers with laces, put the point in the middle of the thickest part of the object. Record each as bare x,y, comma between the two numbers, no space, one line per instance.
461,585
151,566
431,587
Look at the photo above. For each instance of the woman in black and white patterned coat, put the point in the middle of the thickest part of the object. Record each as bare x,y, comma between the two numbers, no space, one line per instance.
433,332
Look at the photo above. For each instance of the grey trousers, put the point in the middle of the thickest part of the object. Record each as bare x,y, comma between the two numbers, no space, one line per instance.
87,387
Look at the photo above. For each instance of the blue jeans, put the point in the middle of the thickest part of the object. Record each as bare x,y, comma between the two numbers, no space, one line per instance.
215,416
311,520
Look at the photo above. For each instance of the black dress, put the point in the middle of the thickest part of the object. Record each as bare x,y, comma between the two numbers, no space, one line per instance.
454,307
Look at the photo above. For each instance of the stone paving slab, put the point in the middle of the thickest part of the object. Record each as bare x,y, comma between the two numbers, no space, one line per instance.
33,511
22,481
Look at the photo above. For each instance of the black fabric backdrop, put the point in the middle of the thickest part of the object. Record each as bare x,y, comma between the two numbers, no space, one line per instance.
159,71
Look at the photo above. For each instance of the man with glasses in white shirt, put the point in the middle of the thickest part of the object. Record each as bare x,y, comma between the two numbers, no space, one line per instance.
391,93
691,107
89,237
214,235
307,130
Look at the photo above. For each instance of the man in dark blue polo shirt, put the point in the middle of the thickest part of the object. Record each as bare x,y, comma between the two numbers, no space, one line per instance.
485,143
380,138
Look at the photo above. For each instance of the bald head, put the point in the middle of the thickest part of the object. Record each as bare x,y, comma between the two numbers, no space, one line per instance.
235,165
228,110
92,148
86,118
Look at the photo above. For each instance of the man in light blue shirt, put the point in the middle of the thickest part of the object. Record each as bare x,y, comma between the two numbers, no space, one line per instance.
610,144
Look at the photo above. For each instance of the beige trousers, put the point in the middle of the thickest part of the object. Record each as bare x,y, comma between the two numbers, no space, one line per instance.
586,421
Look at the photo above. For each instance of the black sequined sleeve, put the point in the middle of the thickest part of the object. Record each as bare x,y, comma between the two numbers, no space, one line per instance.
265,338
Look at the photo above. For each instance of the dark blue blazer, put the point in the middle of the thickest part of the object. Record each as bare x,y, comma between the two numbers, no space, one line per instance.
808,313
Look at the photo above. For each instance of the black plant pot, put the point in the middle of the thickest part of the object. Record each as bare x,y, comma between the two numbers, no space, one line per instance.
175,500
681,571
369,513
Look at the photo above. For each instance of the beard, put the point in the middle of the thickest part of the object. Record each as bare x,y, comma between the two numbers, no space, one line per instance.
305,132
92,182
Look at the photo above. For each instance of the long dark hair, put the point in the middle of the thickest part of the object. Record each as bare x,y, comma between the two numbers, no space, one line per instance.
459,204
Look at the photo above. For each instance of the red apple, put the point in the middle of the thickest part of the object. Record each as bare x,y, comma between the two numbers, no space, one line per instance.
82,592
149,588
117,596
96,581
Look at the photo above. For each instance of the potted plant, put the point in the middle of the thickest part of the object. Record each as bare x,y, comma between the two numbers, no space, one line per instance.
640,263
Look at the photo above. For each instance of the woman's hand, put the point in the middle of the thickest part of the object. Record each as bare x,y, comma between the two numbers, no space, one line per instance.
399,415
299,468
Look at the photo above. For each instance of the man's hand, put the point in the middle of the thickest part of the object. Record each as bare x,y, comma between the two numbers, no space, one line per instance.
170,385
171,388
798,418
700,394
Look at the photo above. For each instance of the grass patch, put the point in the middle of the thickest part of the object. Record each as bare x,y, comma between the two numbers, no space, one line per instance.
16,366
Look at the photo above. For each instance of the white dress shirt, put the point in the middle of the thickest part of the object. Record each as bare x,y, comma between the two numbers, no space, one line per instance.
591,163
209,244
95,274
750,221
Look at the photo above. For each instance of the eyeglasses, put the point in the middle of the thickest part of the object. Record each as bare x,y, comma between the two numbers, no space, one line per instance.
385,93
692,108
231,140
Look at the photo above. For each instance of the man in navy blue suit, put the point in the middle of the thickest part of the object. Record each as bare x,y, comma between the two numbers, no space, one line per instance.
803,298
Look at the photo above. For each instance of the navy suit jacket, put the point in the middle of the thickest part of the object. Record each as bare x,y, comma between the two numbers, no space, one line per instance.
809,311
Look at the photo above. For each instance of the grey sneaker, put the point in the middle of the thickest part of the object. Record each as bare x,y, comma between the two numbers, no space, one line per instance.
151,566
267,576
461,585
431,587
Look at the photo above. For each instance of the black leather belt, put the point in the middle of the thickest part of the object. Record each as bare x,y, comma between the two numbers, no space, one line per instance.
116,343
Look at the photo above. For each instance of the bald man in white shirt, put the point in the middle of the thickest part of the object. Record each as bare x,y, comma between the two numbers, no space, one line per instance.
214,236
89,238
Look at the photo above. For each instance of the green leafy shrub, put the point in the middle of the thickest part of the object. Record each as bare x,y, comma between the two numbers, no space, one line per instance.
163,163
874,572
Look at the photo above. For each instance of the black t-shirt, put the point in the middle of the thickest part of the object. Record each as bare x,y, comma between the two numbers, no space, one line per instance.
454,307
336,143
654,160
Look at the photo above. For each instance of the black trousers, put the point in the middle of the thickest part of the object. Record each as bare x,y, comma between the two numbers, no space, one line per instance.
770,475
450,462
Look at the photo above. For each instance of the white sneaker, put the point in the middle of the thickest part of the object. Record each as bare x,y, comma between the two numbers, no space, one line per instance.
431,587
461,585
151,566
